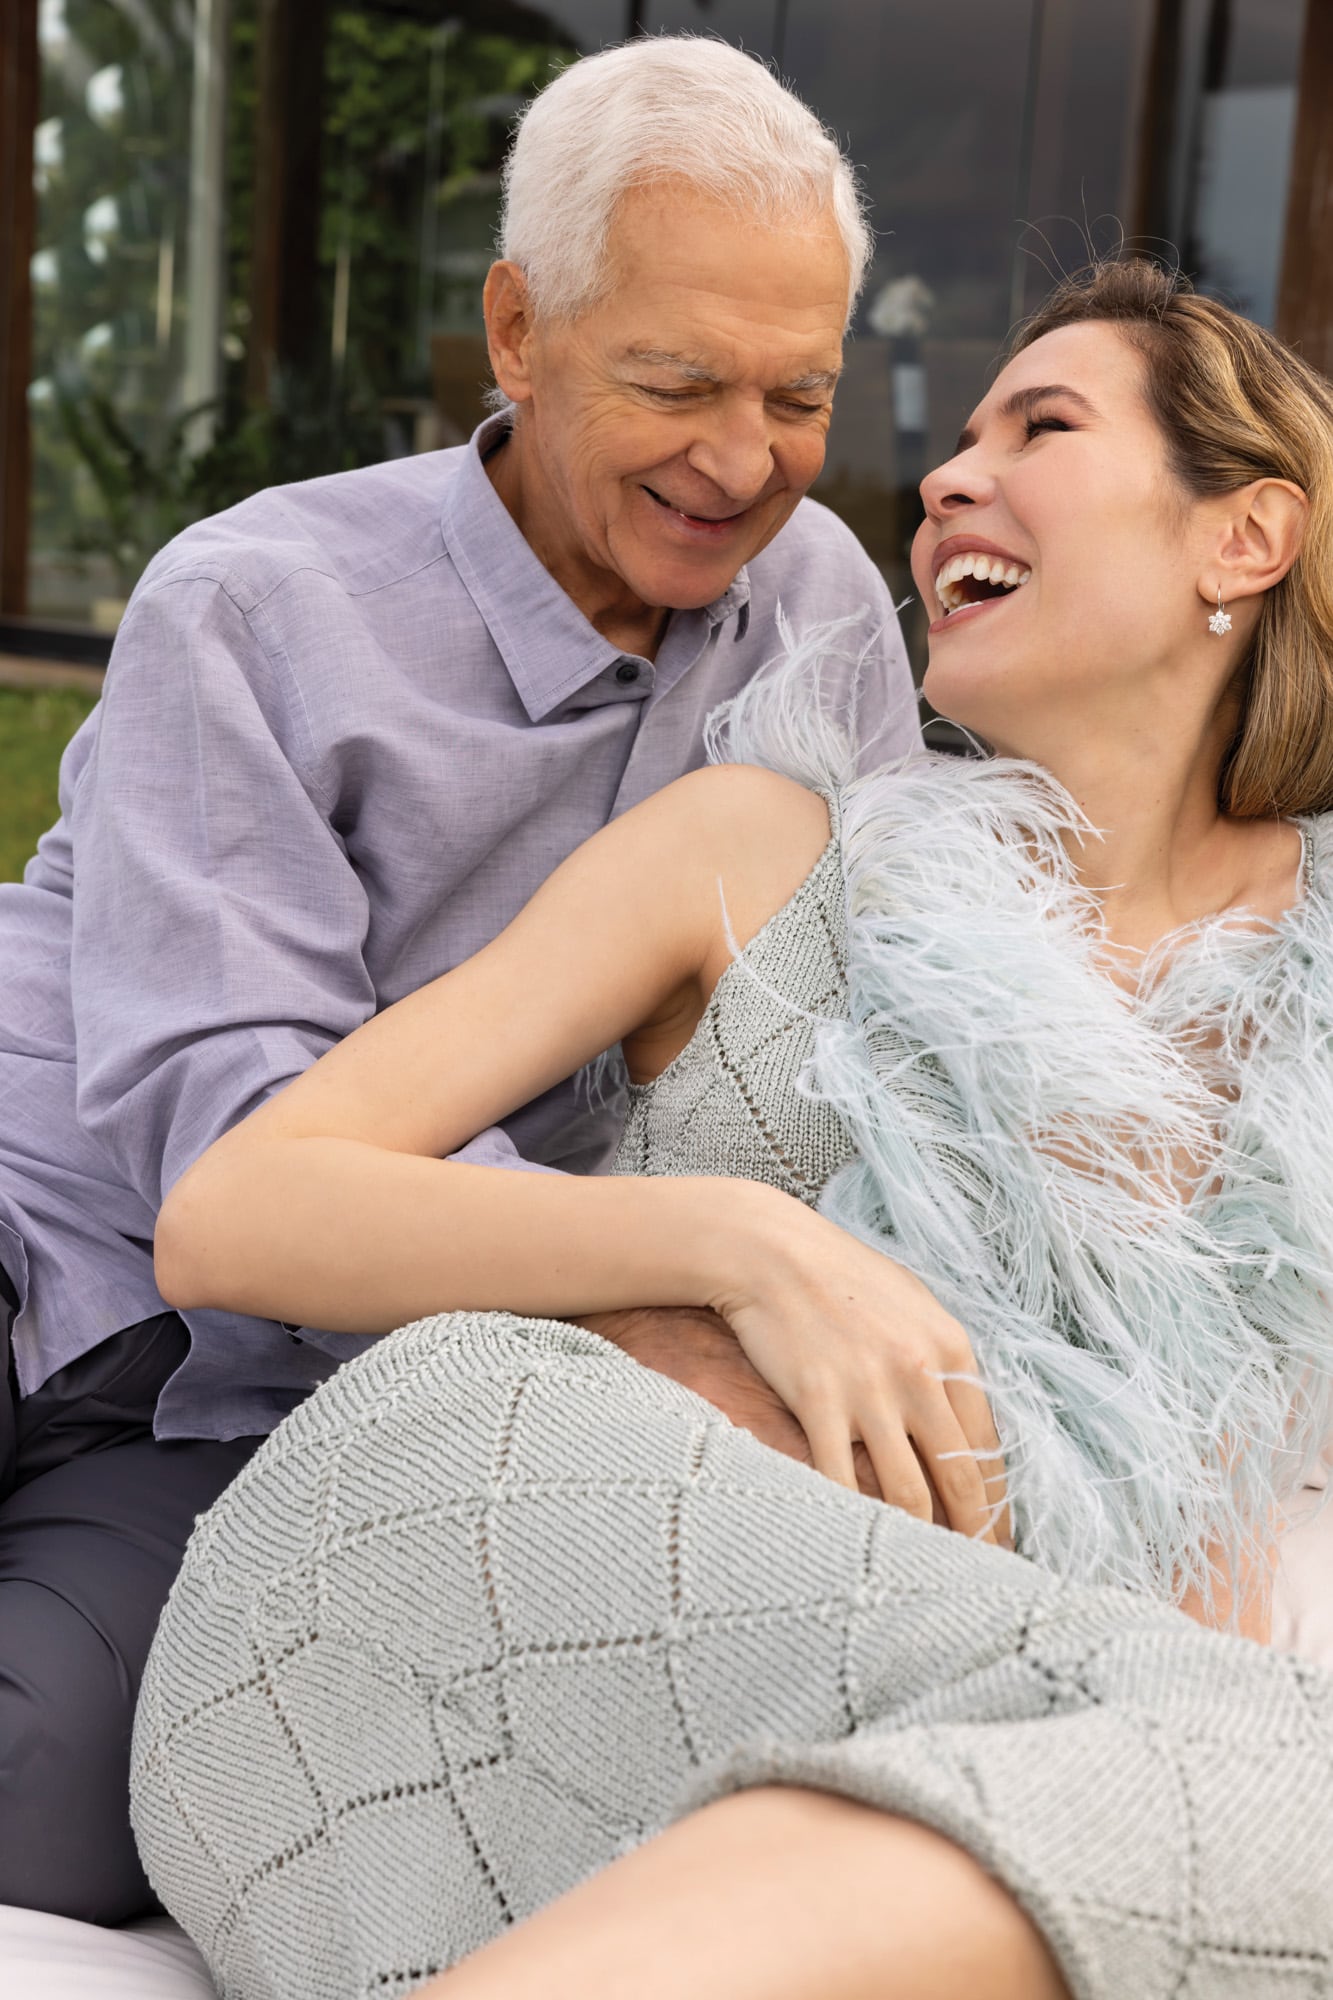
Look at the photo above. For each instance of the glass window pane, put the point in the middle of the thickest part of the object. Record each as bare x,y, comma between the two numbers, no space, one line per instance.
998,145
112,173
1245,120
751,24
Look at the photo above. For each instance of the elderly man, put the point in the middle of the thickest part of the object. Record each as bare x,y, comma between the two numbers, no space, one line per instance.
348,729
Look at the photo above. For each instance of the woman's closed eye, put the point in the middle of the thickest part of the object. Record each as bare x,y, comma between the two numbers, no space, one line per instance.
1048,421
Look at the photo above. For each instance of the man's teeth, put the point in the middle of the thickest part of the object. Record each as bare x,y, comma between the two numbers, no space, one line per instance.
994,570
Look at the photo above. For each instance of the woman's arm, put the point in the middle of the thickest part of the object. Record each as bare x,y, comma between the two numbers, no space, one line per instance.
330,1205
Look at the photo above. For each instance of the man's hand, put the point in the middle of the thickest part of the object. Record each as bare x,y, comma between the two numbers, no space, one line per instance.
698,1349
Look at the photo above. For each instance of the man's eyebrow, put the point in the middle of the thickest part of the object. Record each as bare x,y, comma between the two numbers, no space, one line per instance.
1024,401
659,357
694,371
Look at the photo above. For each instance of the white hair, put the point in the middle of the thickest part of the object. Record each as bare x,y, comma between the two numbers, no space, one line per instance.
663,107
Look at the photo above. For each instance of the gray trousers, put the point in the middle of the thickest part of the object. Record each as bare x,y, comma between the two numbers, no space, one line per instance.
94,1518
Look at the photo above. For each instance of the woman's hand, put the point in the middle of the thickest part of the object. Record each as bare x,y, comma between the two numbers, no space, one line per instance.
859,1350
698,1349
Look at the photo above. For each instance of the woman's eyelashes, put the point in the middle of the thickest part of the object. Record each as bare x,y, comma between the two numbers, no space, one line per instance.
1035,425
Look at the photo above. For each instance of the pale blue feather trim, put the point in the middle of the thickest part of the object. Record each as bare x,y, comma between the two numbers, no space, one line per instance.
1160,1363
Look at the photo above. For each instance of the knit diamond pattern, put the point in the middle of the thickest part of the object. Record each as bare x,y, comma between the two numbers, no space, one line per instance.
496,1603
732,1102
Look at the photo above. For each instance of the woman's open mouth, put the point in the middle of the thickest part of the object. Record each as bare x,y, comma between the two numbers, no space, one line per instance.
971,578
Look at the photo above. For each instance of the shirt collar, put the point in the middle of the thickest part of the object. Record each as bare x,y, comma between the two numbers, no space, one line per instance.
548,646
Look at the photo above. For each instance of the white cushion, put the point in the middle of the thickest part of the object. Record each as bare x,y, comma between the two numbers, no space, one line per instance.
53,1958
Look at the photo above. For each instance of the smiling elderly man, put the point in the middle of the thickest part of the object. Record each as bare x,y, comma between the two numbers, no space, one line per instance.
348,729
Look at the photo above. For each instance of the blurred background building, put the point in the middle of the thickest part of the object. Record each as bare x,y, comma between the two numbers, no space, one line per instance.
243,241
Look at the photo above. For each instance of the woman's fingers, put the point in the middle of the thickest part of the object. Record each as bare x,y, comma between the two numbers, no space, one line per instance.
972,1409
954,1467
830,1438
902,1482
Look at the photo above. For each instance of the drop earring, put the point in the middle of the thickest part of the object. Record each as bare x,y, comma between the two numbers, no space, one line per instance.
1220,621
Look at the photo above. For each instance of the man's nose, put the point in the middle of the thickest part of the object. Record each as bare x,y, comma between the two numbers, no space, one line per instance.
734,449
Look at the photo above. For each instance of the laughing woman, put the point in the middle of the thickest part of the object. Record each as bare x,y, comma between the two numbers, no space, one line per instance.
1012,1114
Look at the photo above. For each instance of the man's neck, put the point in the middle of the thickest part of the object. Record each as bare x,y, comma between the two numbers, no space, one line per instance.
606,601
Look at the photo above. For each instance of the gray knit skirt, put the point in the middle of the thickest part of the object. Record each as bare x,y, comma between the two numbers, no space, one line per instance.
497,1603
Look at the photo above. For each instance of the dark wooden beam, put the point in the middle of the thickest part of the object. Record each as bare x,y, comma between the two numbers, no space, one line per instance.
1151,220
1305,293
284,283
19,83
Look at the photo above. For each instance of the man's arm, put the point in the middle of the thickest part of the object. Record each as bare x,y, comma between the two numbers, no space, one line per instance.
219,924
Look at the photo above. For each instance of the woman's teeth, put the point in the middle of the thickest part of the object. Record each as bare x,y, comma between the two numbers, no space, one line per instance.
996,572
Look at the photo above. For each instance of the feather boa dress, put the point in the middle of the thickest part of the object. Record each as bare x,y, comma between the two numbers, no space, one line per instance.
1126,1201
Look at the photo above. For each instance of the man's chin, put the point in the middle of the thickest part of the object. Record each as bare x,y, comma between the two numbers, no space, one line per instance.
688,585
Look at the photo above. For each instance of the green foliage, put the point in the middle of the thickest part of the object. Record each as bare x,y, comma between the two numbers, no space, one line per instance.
142,489
148,492
34,729
416,118
110,207
416,122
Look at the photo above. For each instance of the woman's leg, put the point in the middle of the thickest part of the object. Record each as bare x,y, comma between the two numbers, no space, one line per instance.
497,1605
775,1894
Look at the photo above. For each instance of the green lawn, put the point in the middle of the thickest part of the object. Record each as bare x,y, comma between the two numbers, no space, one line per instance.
35,726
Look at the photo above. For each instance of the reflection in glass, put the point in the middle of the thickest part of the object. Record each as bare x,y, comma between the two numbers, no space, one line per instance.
111,182
195,340
1245,121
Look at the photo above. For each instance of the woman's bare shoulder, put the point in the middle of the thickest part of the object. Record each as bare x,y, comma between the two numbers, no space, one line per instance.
733,807
752,828
753,836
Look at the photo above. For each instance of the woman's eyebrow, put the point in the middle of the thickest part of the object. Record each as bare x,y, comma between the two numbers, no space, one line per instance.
1024,401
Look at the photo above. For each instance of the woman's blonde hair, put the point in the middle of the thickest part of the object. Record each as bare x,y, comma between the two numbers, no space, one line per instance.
1235,404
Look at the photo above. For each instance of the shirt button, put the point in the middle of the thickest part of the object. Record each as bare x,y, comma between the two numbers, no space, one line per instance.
627,672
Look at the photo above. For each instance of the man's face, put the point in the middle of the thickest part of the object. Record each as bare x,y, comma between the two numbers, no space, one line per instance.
673,427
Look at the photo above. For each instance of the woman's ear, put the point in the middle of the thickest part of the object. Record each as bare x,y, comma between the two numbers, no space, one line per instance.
1260,539
508,314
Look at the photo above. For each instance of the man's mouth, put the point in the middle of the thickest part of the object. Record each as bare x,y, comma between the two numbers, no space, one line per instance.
713,521
971,577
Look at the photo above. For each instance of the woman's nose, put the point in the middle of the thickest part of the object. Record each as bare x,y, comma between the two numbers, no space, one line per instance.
961,481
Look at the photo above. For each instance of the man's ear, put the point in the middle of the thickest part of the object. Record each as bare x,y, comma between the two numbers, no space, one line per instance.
1262,531
508,315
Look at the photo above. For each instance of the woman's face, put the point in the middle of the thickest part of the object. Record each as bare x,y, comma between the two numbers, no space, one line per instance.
1084,554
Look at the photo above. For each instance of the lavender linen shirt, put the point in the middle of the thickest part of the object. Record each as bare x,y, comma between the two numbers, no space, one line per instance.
347,730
